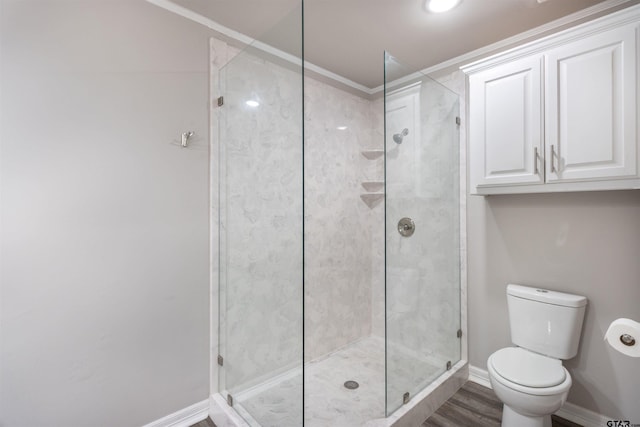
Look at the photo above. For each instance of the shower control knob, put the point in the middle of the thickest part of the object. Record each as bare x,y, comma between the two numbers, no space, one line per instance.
406,227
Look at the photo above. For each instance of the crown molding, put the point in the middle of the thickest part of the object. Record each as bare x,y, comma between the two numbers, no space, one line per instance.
519,39
243,39
368,92
539,45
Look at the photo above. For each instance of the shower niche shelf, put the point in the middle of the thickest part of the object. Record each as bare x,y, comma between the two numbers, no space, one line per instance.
372,154
373,186
372,199
374,190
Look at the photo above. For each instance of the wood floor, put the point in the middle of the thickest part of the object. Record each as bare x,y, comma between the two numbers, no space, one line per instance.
473,405
205,423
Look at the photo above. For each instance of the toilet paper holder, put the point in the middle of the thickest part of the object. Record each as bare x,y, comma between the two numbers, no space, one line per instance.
627,340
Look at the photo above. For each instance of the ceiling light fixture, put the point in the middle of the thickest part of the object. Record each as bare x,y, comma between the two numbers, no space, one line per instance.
341,128
253,104
439,6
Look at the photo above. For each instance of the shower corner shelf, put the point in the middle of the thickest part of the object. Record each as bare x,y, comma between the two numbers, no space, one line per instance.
373,186
372,154
372,199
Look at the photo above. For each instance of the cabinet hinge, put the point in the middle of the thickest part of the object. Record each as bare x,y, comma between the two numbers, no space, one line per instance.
449,365
220,360
229,399
458,121
220,101
459,333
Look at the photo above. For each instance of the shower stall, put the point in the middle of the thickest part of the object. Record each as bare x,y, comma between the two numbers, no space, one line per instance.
339,263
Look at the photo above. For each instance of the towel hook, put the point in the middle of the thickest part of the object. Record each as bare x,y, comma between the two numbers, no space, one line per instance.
185,138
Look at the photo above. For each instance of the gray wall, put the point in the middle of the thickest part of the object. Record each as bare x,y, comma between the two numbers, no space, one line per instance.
583,243
104,279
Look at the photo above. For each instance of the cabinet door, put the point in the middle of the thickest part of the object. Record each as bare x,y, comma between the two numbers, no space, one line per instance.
506,124
590,111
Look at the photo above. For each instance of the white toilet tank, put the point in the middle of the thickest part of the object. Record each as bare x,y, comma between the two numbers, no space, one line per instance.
546,322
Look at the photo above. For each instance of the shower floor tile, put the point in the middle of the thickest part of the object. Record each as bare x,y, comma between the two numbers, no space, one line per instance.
327,401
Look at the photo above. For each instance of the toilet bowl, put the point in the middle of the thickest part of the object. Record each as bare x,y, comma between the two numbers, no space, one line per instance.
530,379
531,386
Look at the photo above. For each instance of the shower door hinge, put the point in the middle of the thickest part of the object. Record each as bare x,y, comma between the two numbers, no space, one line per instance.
405,398
459,333
449,365
220,101
458,121
229,399
220,360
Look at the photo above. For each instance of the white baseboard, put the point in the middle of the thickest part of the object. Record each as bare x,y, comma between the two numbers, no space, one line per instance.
185,417
479,376
582,416
569,411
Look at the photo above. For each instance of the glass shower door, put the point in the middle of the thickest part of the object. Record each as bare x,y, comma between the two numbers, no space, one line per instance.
261,246
422,232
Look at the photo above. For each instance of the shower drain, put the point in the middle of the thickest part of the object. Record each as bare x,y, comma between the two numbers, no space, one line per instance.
351,385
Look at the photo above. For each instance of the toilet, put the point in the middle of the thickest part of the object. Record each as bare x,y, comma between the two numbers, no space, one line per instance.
530,379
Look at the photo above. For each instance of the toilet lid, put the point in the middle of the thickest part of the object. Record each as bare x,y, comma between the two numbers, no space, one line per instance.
528,369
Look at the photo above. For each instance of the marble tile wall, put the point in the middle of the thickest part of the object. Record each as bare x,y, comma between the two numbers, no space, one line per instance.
339,226
456,81
423,271
260,182
344,237
261,202
374,171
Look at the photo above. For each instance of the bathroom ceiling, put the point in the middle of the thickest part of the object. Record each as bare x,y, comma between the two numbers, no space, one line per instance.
348,37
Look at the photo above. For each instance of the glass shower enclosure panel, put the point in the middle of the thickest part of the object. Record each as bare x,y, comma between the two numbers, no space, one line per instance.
261,236
422,224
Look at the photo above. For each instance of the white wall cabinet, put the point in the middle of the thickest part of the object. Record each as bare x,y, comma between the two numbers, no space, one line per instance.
506,123
590,107
558,114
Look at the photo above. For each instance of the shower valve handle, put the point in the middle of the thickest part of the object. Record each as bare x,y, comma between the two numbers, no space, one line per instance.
406,227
